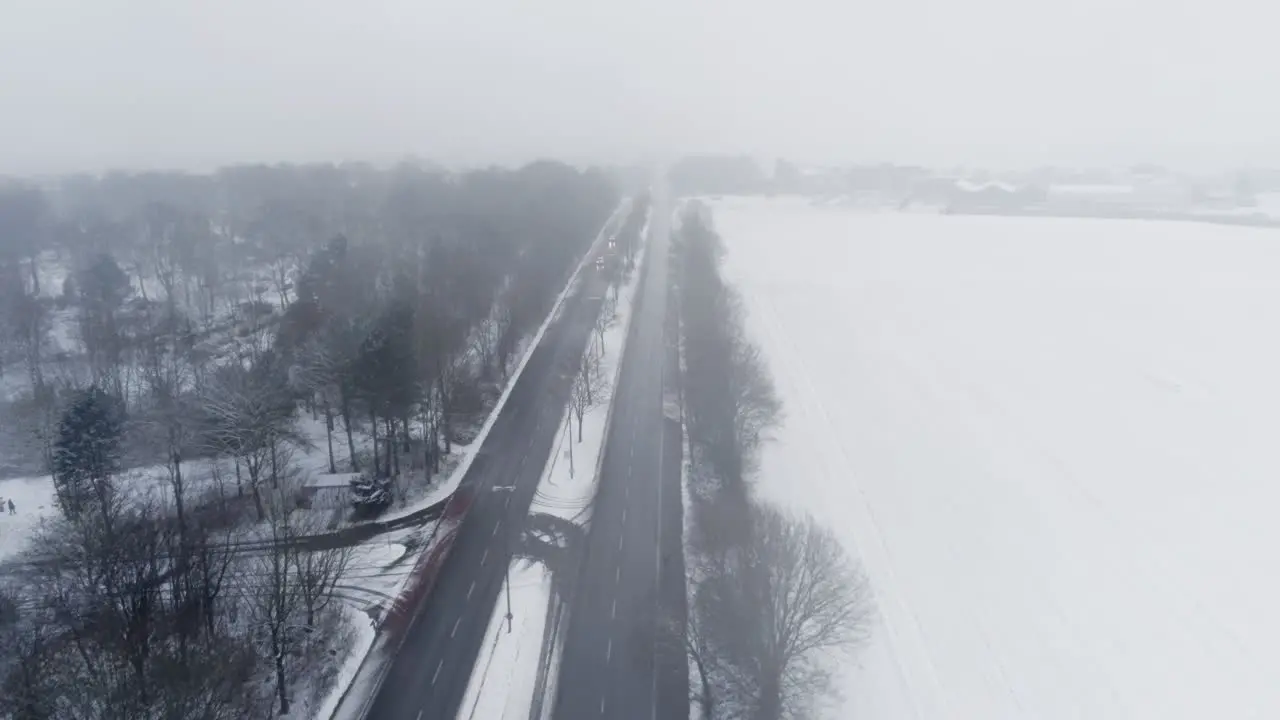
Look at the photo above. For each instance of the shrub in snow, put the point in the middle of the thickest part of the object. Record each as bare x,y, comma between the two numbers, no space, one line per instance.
369,493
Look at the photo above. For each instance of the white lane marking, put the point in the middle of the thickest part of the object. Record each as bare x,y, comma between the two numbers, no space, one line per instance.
617,575
471,589
496,525
507,500
437,672
420,713
620,541
601,705
608,652
454,631
614,612
484,557
626,491
624,515
657,548
522,459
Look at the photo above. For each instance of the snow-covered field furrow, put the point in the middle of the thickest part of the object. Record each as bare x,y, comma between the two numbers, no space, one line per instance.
1051,442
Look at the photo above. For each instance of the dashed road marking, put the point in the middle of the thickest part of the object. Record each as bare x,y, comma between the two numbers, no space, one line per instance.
471,589
436,674
608,651
614,612
485,556
454,631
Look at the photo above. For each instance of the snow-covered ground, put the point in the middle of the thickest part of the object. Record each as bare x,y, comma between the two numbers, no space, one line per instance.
1050,441
376,574
32,499
505,675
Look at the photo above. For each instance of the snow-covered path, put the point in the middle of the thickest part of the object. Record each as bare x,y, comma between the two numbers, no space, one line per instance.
1051,442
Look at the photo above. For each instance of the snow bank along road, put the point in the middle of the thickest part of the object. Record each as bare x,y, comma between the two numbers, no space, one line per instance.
609,666
428,677
1051,441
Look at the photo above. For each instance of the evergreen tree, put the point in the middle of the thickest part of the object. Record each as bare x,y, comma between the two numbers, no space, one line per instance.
86,452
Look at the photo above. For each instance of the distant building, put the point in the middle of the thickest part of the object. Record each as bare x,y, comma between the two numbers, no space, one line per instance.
991,197
1165,193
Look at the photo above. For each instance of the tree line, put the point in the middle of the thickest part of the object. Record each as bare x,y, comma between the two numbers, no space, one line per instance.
195,322
773,599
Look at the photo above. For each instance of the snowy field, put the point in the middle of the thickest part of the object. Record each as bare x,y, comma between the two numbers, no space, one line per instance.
33,500
1053,443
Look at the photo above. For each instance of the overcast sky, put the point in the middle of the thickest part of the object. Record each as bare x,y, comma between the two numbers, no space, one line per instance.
86,84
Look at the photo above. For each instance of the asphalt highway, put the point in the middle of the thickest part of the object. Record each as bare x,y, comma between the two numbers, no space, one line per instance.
614,664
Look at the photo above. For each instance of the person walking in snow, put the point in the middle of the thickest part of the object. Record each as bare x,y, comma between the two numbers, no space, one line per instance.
12,509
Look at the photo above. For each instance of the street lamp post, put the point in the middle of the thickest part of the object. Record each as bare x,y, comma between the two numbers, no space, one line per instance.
568,433
507,539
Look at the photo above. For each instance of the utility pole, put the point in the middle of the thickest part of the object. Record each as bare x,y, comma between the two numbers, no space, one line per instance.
506,538
510,616
568,433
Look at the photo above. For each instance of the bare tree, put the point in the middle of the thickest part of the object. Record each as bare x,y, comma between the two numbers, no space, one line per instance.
692,637
756,407
103,289
283,269
26,673
164,352
251,414
607,318
318,572
590,387
780,611
275,599
484,344
24,228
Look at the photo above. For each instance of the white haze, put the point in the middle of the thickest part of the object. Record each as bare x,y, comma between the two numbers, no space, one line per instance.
86,84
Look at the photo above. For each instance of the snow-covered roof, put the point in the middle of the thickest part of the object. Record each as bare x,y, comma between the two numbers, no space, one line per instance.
328,480
1097,189
974,186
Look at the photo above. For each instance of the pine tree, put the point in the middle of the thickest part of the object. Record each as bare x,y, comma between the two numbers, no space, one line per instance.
86,452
